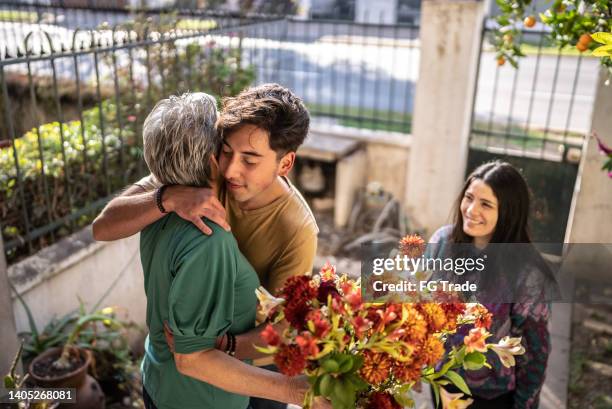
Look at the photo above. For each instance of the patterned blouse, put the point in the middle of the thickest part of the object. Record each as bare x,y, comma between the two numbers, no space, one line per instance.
527,320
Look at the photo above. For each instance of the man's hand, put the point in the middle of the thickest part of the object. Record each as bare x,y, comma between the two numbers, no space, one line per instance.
193,203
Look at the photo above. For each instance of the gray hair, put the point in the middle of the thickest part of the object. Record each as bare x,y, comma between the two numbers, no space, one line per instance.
179,138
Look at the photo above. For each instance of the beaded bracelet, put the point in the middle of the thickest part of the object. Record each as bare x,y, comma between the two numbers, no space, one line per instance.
231,344
158,198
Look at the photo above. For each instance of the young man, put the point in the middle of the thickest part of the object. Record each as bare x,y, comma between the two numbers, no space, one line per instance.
261,129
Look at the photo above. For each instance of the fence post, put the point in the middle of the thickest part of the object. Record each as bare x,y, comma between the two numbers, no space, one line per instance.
592,200
450,32
8,335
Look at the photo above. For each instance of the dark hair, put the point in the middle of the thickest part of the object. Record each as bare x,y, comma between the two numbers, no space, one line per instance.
270,107
512,193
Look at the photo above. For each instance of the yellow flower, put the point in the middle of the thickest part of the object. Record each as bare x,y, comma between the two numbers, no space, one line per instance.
475,340
453,400
506,349
267,302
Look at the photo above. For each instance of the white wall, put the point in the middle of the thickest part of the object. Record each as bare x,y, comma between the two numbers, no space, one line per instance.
52,279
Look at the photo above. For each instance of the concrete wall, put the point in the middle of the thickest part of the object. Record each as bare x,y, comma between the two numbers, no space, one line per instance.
52,279
387,154
591,211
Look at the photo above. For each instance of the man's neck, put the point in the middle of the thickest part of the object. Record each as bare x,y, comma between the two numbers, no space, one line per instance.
276,190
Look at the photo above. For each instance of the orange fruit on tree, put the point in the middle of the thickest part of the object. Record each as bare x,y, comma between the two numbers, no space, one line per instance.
582,47
529,21
501,61
585,39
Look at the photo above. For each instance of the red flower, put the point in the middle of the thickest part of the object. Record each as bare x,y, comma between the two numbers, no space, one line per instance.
298,288
290,360
270,336
307,344
326,289
328,272
295,313
352,295
380,400
484,320
384,317
361,326
321,325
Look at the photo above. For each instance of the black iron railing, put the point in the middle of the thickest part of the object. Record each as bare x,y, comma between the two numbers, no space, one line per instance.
73,100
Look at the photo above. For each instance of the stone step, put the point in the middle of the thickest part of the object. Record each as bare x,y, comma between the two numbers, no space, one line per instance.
598,326
601,368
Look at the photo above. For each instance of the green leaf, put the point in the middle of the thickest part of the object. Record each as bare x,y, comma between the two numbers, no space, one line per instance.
404,398
458,381
326,386
603,38
474,361
346,365
9,382
33,328
436,389
330,365
460,355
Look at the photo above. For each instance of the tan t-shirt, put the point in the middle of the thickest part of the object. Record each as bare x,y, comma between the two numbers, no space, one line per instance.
279,239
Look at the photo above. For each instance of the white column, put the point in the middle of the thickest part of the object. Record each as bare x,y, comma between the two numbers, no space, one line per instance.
450,41
8,334
591,212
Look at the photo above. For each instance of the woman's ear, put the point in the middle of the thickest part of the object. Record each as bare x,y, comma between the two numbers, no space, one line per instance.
286,163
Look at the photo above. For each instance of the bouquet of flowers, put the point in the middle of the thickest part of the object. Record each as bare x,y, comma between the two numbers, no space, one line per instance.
372,355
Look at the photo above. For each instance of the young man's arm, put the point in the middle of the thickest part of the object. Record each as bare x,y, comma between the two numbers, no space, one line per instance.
135,209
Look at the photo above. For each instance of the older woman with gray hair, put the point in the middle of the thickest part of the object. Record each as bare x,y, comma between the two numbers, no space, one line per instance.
201,286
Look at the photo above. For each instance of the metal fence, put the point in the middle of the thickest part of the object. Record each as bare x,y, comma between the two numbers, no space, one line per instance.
73,103
87,104
535,117
352,74
542,109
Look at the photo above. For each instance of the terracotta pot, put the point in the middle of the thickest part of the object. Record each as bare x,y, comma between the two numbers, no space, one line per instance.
89,395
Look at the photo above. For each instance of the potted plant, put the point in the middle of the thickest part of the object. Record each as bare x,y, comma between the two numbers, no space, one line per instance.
67,366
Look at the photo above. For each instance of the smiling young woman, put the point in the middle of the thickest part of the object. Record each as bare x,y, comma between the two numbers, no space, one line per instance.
493,207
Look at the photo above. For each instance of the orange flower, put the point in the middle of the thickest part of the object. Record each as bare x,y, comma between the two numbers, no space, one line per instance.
453,400
432,351
415,325
475,340
408,372
376,367
480,314
412,246
435,315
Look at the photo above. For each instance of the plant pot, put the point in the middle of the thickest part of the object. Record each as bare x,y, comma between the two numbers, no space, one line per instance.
89,395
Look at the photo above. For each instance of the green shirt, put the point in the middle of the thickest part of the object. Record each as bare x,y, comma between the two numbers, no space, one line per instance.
202,286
